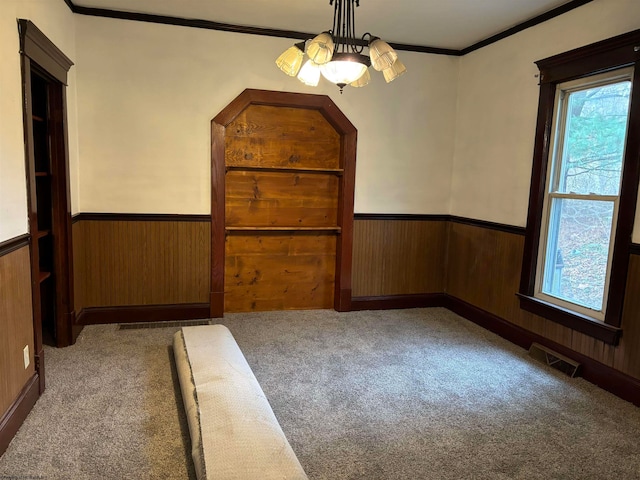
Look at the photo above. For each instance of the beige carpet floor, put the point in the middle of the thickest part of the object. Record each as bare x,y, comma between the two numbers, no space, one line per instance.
411,394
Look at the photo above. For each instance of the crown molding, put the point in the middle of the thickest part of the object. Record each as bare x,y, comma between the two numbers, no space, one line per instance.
268,32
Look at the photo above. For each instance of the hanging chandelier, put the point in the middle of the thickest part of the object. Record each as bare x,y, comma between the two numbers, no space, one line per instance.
337,55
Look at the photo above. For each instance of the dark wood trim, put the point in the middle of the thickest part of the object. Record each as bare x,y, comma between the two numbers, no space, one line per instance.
62,235
628,201
614,53
581,323
348,136
38,358
418,217
614,381
14,244
35,45
536,188
501,227
229,27
634,249
140,217
562,9
17,412
392,302
269,32
216,297
142,313
442,218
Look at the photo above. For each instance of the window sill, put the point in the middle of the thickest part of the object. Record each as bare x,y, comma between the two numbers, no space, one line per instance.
581,323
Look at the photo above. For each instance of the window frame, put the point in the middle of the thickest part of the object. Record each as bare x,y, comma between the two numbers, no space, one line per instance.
601,57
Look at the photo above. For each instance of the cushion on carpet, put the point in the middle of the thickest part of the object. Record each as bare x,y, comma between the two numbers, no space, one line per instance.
234,432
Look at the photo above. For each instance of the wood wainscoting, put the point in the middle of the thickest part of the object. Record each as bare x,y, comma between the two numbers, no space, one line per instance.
483,276
19,386
398,255
131,268
473,268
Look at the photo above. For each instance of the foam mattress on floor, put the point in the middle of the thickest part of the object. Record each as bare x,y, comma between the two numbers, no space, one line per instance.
234,432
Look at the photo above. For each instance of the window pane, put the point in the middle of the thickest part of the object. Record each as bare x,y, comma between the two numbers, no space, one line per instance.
595,131
577,251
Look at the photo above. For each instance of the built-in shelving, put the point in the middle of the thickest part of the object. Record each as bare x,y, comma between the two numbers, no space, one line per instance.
43,228
283,229
330,171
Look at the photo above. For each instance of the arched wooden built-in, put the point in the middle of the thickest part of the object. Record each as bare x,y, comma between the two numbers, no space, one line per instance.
282,188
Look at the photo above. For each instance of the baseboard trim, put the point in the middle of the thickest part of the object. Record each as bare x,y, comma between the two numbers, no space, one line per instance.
142,313
607,378
391,302
14,417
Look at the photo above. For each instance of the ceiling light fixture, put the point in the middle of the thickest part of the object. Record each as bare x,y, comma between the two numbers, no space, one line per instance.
337,54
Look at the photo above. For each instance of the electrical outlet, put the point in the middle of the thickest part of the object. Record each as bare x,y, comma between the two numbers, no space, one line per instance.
27,360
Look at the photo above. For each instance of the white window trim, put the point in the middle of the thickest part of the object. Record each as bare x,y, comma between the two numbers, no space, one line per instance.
553,173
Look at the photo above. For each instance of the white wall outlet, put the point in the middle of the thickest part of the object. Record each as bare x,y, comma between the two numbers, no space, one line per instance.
27,360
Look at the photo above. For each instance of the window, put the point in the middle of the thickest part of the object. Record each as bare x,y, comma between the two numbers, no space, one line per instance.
584,187
583,192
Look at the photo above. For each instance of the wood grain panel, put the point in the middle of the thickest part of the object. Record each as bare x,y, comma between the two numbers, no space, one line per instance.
627,354
271,136
79,268
279,272
265,199
484,271
398,257
16,325
142,262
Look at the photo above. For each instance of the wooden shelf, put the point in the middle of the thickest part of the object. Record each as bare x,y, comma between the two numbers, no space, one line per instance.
283,229
43,276
42,174
37,118
330,171
42,233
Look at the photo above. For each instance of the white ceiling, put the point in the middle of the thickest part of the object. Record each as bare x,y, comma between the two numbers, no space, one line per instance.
453,24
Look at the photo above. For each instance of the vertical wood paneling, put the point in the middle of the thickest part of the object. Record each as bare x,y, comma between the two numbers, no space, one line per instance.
627,355
395,257
122,263
484,270
79,269
16,325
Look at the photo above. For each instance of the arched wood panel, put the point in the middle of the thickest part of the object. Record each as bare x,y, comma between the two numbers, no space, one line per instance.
283,172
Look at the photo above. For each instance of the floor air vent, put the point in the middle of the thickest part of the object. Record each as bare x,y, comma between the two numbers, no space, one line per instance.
554,359
186,323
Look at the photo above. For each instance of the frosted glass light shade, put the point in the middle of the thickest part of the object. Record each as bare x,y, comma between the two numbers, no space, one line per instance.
394,71
382,55
363,80
291,60
344,68
310,74
320,49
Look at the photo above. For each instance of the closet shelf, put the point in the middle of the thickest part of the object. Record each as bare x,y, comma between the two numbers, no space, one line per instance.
42,233
331,171
283,229
43,276
37,118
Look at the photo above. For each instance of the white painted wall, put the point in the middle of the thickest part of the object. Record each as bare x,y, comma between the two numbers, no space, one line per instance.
147,94
56,21
498,103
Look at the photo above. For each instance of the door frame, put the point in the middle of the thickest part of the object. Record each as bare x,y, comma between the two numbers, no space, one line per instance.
348,141
39,54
